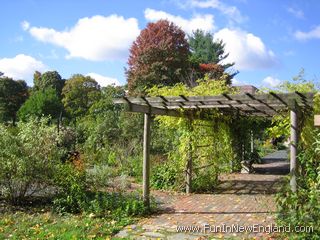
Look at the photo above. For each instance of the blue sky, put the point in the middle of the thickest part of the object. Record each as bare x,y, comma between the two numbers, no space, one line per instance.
269,40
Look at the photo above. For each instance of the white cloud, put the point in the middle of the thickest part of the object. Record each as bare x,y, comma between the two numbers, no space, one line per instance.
271,82
298,13
232,12
314,33
246,50
103,80
204,22
96,38
236,82
25,25
21,67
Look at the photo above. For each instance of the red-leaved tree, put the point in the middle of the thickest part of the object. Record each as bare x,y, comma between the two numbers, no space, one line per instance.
159,55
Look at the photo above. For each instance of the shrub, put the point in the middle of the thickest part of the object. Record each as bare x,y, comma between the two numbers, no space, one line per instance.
303,207
28,158
99,176
134,166
71,184
164,176
117,204
205,179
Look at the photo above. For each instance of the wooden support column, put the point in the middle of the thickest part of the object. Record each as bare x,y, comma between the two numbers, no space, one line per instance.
293,147
251,141
189,174
189,164
146,160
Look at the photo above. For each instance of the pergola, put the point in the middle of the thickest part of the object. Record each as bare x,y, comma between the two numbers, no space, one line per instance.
263,105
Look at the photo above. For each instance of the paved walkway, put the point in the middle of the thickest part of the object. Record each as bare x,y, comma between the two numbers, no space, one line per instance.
240,200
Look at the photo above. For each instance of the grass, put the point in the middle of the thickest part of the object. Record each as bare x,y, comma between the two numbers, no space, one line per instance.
36,219
49,225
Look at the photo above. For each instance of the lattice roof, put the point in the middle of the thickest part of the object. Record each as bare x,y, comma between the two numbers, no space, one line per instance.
265,105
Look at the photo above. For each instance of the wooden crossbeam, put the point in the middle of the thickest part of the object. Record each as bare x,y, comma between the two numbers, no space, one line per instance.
304,99
280,99
240,102
247,104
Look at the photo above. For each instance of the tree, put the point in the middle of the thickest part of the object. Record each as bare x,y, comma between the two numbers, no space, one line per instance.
79,94
205,50
12,95
50,79
207,56
41,103
159,55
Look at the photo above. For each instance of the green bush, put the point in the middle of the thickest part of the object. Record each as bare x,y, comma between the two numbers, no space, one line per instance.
205,180
74,197
99,176
134,166
117,204
71,184
28,158
111,173
164,176
303,207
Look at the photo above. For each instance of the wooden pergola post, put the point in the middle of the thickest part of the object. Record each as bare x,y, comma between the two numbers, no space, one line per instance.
293,146
146,160
189,163
251,141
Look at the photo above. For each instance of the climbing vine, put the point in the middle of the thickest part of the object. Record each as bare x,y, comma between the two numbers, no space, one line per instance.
208,141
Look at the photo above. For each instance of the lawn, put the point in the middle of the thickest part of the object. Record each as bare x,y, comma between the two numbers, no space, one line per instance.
42,223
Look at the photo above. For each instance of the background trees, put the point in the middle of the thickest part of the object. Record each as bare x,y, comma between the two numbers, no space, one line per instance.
50,79
45,102
161,55
45,96
12,96
207,57
79,94
158,56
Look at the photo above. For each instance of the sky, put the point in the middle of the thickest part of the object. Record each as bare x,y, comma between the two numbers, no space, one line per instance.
269,40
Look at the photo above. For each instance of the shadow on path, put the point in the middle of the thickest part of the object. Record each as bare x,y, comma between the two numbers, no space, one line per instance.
239,199
266,178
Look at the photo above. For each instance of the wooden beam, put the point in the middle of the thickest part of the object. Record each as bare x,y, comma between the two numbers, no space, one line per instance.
146,160
266,104
284,98
293,147
254,102
262,102
154,110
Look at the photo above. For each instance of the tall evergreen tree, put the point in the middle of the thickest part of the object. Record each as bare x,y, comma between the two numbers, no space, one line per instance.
41,103
208,55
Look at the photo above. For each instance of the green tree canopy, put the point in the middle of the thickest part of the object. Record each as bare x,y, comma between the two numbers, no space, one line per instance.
50,79
207,56
12,95
79,94
159,55
205,50
41,103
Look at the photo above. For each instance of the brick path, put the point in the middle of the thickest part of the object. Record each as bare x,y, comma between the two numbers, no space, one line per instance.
240,200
